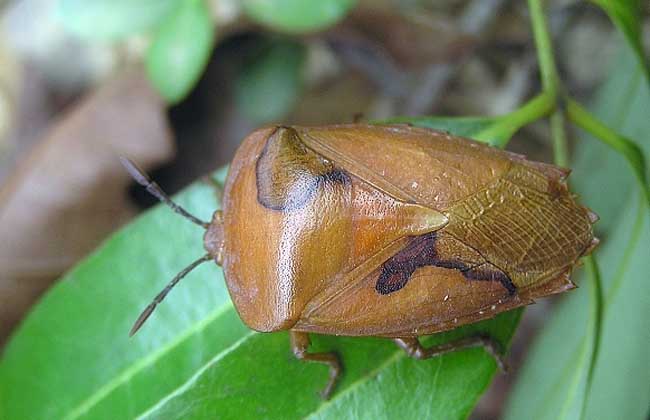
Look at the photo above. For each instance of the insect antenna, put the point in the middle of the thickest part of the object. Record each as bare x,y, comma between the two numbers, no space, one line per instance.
160,296
154,189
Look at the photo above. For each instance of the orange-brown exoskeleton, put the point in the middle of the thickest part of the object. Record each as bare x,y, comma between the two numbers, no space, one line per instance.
388,231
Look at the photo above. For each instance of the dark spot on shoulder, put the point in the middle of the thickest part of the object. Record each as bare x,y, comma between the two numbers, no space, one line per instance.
288,174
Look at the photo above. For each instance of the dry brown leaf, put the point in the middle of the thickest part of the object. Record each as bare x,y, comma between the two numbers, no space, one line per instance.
71,191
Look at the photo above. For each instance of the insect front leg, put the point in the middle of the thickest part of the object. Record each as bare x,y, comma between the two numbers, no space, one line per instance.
415,349
300,343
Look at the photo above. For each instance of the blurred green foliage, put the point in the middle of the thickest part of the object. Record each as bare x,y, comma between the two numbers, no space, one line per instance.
297,16
183,35
270,82
106,20
180,50
627,15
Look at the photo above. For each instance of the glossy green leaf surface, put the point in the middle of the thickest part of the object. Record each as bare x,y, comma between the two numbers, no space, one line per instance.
297,16
621,144
627,16
180,50
551,384
460,126
112,19
71,358
495,131
268,86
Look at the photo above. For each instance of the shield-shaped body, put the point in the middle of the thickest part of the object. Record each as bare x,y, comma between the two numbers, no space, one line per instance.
392,231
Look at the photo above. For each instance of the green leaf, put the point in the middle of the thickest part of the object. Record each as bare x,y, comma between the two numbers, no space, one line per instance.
268,86
579,377
112,19
460,126
627,16
376,373
495,131
71,358
595,326
180,50
297,16
550,384
626,147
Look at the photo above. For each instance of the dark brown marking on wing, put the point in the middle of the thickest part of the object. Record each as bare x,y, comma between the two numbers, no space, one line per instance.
288,174
421,252
488,272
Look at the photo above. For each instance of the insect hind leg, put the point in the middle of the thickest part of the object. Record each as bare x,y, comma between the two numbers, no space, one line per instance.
415,349
300,343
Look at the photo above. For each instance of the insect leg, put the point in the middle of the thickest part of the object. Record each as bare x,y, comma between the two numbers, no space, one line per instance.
415,349
299,344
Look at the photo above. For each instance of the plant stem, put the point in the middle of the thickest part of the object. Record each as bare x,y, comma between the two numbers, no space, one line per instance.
550,80
543,104
596,304
548,70
583,119
558,133
500,133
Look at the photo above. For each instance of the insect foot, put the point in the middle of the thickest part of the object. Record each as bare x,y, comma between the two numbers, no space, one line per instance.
415,349
300,343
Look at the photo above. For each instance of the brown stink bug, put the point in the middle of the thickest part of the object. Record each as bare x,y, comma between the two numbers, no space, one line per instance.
389,231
